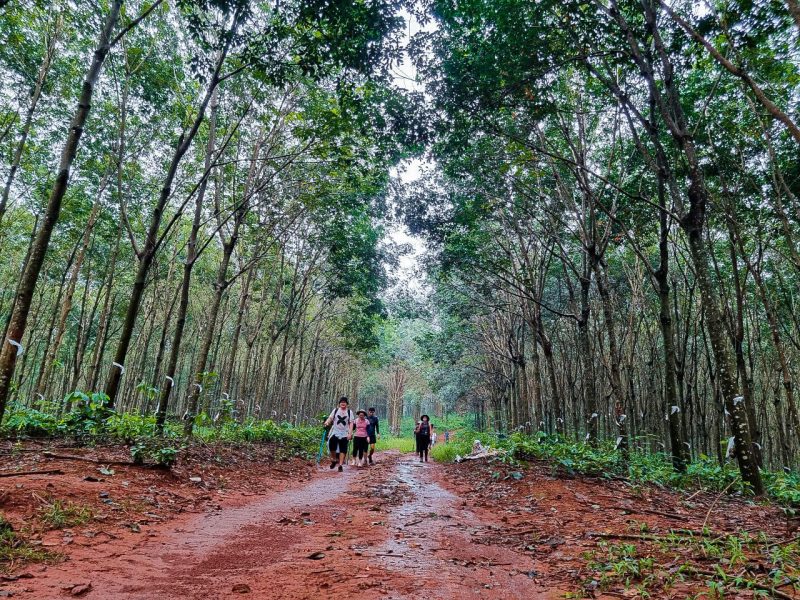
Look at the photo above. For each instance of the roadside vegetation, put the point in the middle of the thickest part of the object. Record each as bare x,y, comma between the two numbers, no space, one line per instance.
571,458
91,422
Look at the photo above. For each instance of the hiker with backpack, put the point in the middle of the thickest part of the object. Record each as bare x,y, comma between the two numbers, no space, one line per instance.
374,432
340,422
360,437
423,432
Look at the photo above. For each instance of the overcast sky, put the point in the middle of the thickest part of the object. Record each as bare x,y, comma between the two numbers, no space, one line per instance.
408,275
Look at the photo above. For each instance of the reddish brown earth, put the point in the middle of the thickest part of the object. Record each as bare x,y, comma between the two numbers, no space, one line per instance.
399,529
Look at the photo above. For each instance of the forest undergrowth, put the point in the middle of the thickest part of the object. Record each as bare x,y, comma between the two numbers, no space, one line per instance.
639,468
92,423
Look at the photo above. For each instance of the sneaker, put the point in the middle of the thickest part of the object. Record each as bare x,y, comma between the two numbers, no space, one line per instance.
333,464
340,468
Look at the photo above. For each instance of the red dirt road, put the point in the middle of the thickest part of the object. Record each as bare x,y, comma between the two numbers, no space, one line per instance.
234,522
389,531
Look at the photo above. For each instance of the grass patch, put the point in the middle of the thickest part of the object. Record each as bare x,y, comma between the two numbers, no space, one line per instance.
58,514
449,452
15,550
461,445
651,570
402,444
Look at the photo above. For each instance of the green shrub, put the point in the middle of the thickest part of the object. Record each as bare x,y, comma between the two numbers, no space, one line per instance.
127,427
88,415
157,451
23,421
784,487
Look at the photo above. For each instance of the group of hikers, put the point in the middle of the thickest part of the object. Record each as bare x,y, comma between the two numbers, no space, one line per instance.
363,429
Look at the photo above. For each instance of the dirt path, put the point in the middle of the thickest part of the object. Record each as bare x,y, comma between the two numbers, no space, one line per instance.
390,531
258,528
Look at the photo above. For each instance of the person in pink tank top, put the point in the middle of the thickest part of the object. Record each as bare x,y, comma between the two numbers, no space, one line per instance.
360,436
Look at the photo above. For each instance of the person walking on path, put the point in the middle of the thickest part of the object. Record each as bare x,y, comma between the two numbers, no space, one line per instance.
361,437
374,432
341,423
423,434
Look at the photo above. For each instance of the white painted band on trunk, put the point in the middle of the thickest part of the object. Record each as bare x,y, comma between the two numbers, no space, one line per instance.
16,345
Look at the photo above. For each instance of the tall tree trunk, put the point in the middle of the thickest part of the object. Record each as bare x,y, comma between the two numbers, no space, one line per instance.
220,286
19,318
227,377
188,265
617,390
589,382
36,94
66,304
105,316
148,252
53,319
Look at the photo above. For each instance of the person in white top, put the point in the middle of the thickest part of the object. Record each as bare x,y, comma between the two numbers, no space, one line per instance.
340,422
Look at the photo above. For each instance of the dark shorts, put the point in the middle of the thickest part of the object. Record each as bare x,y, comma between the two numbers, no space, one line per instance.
336,444
373,439
359,444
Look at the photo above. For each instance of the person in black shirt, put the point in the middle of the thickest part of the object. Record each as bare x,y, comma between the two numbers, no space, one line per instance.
423,434
374,432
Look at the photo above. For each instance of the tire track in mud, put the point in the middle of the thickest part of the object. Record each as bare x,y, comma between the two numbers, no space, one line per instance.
388,531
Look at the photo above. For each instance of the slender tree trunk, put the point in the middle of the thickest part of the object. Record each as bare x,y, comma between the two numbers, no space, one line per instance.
105,316
66,304
220,286
19,318
227,377
53,319
188,265
589,383
148,252
617,390
36,94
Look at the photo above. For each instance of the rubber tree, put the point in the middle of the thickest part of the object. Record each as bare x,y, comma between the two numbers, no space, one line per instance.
693,222
12,345
147,253
192,254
